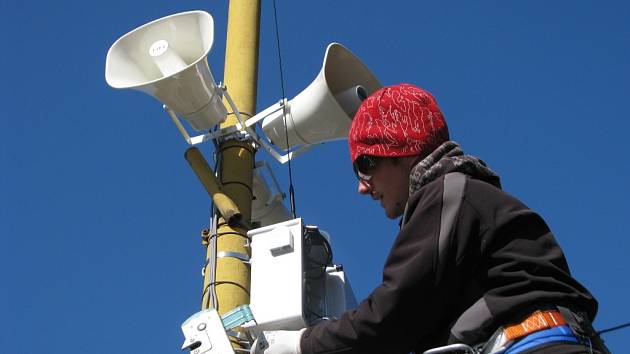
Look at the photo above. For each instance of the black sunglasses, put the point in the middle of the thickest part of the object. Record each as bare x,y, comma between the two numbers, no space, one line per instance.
363,167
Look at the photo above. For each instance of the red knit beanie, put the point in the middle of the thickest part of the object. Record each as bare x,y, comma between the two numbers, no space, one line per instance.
399,120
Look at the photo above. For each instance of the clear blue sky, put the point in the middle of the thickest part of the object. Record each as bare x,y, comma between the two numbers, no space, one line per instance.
100,213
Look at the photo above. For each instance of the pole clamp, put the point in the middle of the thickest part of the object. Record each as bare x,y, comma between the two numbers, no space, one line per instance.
240,256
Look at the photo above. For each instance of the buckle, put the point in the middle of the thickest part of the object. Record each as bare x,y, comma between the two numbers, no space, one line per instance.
497,343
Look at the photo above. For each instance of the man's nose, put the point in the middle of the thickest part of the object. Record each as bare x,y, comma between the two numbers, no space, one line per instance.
364,187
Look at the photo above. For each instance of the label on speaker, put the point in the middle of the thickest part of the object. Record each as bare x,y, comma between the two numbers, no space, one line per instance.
158,48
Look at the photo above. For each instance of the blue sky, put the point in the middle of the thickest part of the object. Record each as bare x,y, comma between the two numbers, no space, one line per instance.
100,213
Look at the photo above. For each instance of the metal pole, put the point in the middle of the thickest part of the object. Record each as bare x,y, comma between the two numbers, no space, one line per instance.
236,159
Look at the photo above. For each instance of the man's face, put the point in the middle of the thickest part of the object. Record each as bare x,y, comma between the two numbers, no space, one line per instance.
389,184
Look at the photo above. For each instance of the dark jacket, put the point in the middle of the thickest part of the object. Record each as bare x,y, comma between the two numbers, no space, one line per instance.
468,259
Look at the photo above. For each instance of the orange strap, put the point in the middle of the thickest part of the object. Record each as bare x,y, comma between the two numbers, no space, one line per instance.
535,322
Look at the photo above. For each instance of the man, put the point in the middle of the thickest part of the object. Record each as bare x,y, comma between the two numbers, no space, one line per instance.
471,264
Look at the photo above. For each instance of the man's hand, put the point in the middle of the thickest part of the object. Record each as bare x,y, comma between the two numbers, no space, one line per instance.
278,342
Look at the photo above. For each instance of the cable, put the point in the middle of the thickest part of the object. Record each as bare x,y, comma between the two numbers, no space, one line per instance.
317,315
211,259
284,112
613,328
315,268
212,285
212,295
317,257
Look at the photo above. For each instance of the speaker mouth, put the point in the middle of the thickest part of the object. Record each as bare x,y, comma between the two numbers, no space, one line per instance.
134,59
362,93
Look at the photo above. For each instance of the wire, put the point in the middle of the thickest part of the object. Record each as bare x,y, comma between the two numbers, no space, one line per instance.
284,112
317,315
613,328
317,257
211,259
212,264
212,285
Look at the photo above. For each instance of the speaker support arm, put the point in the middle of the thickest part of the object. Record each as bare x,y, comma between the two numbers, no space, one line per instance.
195,140
243,127
246,125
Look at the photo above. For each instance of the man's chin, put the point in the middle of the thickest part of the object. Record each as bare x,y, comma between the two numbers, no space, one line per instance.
392,215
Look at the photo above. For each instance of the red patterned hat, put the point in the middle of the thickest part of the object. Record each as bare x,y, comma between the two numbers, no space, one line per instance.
399,120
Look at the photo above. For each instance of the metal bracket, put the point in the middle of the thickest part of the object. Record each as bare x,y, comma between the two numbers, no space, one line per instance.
242,130
240,256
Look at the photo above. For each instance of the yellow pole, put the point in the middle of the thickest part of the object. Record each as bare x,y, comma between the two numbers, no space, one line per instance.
236,158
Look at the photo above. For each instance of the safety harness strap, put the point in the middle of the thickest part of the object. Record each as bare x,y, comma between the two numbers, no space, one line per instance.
535,322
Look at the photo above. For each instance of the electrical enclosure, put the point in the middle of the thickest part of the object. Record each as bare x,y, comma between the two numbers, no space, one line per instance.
294,282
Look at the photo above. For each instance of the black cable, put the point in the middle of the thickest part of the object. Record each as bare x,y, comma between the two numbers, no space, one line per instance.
613,328
315,268
249,189
212,295
213,284
220,282
284,112
317,315
231,233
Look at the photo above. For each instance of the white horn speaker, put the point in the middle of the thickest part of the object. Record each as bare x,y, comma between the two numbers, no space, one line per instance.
167,59
324,110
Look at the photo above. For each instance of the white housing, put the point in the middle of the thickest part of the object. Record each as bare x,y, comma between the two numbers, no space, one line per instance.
204,334
282,297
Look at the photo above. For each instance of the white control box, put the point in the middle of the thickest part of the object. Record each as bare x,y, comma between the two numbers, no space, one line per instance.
294,283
